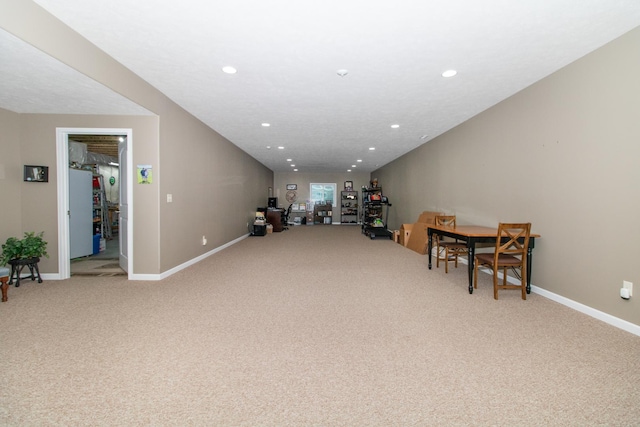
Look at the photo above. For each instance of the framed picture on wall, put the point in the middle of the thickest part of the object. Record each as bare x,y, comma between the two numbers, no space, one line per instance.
292,186
348,185
36,173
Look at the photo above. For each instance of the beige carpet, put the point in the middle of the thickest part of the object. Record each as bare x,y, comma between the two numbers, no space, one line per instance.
314,326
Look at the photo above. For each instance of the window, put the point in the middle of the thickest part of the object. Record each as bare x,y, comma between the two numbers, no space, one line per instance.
322,192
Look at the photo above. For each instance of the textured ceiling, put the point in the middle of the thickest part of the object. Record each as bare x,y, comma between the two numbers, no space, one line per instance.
288,52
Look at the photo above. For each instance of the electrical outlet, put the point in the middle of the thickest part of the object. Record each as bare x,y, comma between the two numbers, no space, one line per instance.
628,285
204,240
169,198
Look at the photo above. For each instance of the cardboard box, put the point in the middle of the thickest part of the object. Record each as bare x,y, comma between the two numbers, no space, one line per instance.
419,239
405,232
416,236
428,217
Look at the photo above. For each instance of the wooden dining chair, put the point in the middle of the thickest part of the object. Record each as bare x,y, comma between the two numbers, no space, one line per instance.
510,254
448,250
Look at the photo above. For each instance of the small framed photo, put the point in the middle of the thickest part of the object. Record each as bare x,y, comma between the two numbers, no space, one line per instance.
292,186
348,185
36,173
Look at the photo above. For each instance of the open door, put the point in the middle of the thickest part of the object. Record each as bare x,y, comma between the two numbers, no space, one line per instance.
62,149
123,216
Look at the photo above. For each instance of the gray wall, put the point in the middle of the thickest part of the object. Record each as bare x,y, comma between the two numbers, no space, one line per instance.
303,179
211,180
563,154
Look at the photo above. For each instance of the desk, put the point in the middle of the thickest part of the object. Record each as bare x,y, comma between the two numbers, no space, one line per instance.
274,217
473,234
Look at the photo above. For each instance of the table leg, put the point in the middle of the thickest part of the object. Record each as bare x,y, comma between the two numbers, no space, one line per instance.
529,258
471,249
430,246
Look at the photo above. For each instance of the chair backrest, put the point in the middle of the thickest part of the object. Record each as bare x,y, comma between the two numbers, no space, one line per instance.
513,232
446,220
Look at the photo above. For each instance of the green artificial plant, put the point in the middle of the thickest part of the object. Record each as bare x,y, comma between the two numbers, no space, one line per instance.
31,246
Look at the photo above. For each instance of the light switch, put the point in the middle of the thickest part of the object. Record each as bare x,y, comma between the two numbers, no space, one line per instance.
169,198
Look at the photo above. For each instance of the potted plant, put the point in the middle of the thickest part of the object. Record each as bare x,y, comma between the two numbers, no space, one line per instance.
24,252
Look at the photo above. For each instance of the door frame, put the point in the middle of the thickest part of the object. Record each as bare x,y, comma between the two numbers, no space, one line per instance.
62,150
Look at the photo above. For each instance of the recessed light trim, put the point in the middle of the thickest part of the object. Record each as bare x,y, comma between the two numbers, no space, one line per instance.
228,69
372,148
281,148
395,126
449,73
342,72
359,160
266,125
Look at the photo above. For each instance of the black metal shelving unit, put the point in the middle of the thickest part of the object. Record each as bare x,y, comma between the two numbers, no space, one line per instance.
375,211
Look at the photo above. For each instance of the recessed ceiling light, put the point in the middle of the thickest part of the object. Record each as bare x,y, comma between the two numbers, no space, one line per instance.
229,69
353,166
293,166
295,170
281,148
268,147
342,72
372,148
266,125
425,136
289,160
359,160
449,73
395,126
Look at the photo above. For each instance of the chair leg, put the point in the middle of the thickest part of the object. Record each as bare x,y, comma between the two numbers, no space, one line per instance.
523,283
495,282
4,286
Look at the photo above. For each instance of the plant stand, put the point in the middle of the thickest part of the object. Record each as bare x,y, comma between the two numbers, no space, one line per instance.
18,264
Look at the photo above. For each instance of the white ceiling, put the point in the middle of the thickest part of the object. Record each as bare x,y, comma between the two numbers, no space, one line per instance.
287,53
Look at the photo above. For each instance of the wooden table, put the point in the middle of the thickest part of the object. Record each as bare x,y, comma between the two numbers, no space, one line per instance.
473,234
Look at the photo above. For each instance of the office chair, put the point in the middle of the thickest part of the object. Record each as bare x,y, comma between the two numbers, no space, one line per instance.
510,254
285,217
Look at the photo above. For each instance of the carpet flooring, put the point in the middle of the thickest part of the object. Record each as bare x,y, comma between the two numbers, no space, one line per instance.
314,326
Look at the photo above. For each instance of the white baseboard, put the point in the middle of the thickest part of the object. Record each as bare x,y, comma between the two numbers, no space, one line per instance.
589,311
182,266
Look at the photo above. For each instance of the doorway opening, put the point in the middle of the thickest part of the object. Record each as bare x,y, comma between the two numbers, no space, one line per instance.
93,195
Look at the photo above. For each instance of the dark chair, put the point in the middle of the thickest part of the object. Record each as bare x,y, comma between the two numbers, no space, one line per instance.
285,217
510,254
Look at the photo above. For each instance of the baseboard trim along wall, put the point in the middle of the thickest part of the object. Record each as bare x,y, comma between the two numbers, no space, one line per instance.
182,266
589,311
585,309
